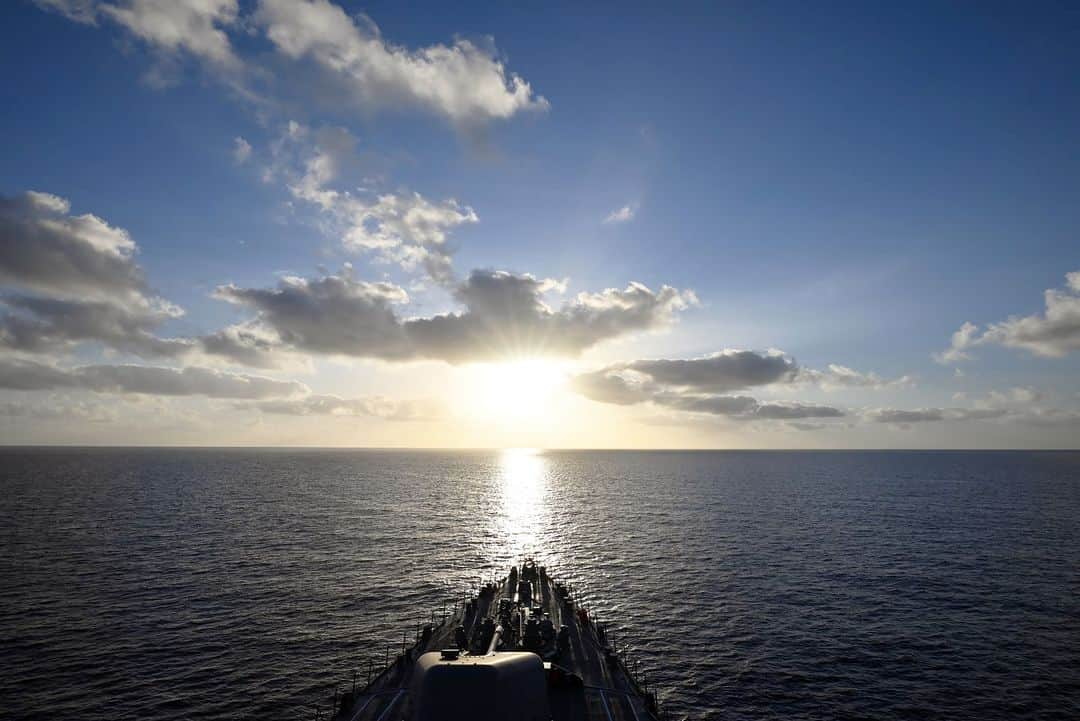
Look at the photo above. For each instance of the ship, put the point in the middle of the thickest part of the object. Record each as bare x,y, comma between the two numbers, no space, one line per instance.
521,649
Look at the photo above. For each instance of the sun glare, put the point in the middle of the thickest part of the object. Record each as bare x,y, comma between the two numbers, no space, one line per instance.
515,391
524,509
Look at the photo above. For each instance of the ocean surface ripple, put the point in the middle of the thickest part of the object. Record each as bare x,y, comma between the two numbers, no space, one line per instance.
220,584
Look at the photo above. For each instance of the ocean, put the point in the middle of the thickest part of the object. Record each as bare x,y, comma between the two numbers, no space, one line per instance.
222,584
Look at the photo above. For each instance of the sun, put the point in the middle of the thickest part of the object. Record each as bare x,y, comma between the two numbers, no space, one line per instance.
515,391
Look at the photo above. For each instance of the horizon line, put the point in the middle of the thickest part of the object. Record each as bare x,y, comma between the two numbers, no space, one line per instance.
9,446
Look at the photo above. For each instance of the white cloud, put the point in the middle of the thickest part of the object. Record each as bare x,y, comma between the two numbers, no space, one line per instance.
621,215
241,150
1072,280
80,11
407,229
464,83
171,26
401,227
959,344
837,377
1018,395
1053,334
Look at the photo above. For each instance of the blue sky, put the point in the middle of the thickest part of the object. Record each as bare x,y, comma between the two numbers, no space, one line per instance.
847,183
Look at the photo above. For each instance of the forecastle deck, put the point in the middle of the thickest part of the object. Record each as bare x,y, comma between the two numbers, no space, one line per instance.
585,676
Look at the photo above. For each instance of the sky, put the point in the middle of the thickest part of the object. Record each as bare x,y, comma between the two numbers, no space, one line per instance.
717,225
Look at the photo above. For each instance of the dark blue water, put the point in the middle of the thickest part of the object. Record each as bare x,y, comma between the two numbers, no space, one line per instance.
174,584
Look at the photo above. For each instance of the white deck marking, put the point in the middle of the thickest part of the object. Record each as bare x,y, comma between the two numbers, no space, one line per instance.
361,709
393,702
372,697
603,699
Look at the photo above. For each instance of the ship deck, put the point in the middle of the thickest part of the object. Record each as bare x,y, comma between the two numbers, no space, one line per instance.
607,690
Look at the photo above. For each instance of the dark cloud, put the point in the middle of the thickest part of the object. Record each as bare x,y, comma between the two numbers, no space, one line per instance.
731,370
80,283
35,325
24,375
713,405
246,345
707,385
607,387
790,410
505,316
721,372
334,314
45,249
676,385
924,415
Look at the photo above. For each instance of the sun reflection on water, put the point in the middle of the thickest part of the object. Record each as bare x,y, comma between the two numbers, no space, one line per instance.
523,513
